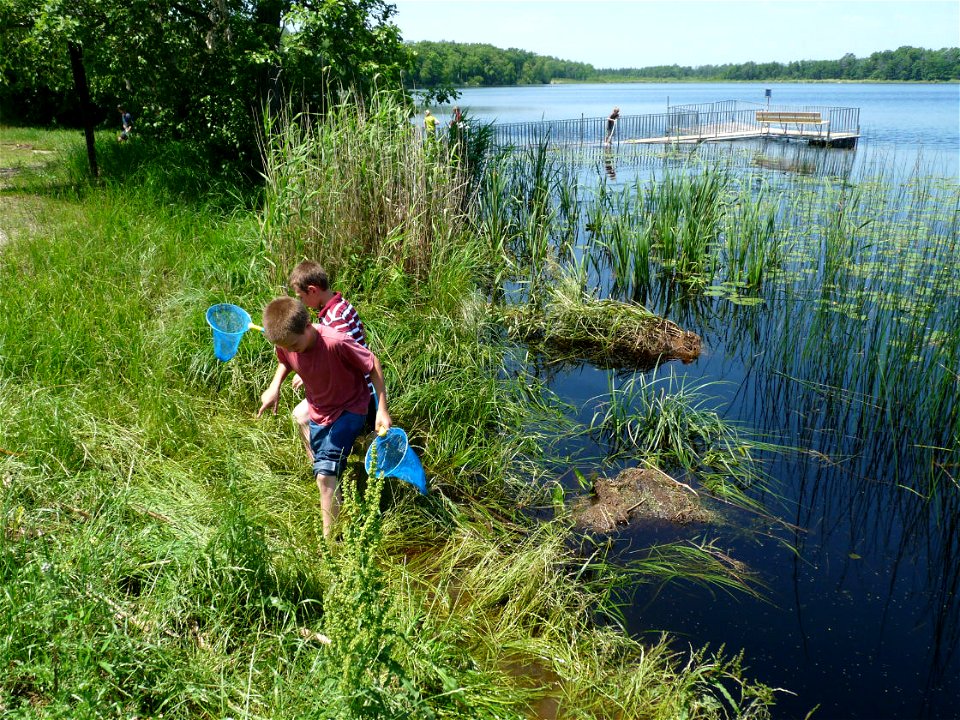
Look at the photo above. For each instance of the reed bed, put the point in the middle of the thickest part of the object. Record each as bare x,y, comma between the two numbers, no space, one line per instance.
161,550
871,258
841,294
882,284
360,182
839,289
697,224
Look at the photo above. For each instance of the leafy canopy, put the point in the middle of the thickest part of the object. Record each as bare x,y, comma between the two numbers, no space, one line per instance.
194,69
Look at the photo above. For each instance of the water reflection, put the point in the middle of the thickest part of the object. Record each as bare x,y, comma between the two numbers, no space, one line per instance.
770,154
608,166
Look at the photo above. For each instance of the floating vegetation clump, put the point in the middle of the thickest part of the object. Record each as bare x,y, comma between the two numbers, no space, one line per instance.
667,423
572,324
639,494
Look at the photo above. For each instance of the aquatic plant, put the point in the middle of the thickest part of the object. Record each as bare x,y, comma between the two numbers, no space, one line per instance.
685,213
667,423
574,324
753,246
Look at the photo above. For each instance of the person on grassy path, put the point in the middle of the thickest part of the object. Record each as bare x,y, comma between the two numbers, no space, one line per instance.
333,369
126,124
311,284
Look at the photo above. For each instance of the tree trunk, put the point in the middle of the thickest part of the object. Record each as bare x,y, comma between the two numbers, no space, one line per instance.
83,92
269,19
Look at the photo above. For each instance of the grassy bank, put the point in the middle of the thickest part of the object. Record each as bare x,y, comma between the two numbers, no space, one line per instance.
160,550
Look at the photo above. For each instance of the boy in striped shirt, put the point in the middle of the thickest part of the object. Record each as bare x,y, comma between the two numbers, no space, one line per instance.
312,285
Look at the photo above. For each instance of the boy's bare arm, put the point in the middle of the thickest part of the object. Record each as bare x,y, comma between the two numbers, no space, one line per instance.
271,396
383,422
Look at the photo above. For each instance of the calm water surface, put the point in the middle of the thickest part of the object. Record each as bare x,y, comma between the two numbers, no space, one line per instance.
860,615
898,122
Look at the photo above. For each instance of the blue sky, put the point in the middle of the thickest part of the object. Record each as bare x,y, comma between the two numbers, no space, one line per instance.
636,33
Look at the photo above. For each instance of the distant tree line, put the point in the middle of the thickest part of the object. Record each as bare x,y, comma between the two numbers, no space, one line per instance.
462,64
904,63
459,64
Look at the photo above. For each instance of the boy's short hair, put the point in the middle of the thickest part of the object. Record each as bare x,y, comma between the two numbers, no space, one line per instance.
283,318
308,273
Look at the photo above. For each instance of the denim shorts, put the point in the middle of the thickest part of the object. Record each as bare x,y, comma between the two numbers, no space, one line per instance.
331,444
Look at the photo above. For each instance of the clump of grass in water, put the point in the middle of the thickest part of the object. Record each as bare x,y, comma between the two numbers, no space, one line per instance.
529,206
624,240
699,562
667,423
685,215
752,244
607,330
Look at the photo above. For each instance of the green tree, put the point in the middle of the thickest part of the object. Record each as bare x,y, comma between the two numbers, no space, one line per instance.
905,63
197,69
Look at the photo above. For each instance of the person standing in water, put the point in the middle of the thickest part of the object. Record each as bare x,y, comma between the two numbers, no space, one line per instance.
611,125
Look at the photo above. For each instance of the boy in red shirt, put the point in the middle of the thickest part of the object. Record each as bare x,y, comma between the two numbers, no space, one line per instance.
333,369
311,284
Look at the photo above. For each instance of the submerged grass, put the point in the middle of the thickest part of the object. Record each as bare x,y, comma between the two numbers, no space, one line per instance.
161,551
668,423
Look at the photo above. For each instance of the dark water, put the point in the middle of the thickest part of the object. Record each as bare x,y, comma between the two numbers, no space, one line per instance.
861,616
860,613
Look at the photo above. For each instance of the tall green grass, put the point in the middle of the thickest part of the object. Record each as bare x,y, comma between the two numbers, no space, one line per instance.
360,184
161,550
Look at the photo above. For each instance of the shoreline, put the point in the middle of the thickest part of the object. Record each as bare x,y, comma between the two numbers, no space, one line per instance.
692,81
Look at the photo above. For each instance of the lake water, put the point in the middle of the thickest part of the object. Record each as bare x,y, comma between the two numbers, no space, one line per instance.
899,122
860,612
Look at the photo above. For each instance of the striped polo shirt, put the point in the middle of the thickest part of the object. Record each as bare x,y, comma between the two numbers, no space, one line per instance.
342,316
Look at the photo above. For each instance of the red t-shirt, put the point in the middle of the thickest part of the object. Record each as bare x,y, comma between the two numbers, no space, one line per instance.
333,373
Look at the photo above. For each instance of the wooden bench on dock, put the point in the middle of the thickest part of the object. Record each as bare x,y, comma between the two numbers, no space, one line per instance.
766,117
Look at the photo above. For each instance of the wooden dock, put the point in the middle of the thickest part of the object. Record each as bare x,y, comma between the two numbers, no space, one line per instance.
721,133
690,124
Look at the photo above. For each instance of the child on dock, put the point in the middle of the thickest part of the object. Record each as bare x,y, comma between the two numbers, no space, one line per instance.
611,125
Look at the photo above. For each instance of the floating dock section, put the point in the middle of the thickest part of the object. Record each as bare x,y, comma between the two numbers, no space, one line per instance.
689,124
